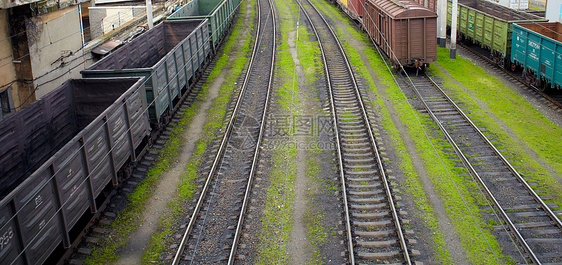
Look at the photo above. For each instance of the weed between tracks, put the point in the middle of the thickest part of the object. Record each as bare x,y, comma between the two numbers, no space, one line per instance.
127,221
532,129
474,244
278,211
309,57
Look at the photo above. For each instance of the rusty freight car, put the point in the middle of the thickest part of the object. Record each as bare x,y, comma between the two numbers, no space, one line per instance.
404,30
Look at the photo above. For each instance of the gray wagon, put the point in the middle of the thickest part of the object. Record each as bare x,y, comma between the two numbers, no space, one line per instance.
218,12
168,56
58,154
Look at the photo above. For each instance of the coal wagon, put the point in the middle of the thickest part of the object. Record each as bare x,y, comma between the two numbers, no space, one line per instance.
489,25
218,12
404,30
58,155
169,56
537,49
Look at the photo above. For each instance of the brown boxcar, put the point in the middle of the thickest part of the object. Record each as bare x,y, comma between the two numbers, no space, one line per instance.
404,30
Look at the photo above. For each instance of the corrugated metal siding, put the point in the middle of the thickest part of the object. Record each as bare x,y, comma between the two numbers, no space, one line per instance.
39,225
71,182
97,147
29,137
10,243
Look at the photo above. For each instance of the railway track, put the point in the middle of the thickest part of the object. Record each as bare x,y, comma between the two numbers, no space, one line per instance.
374,225
212,234
555,100
526,217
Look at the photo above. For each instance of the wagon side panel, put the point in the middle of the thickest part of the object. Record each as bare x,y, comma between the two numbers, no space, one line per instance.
136,108
548,58
501,38
558,67
399,39
479,26
118,131
430,40
194,52
417,36
72,182
97,145
188,59
488,31
532,61
462,23
38,205
9,238
206,41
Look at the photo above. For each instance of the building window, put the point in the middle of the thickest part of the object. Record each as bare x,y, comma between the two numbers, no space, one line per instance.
6,102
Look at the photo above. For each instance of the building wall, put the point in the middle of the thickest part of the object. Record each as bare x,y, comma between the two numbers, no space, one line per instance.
513,4
23,89
55,41
554,11
106,19
7,68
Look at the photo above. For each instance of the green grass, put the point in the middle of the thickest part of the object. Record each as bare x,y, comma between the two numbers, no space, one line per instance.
532,130
127,220
277,215
309,56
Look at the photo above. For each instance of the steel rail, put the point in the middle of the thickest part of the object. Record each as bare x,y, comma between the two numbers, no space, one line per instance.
473,172
338,146
371,137
221,149
253,168
503,159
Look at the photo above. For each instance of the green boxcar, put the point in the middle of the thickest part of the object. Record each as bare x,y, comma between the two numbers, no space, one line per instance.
488,24
219,13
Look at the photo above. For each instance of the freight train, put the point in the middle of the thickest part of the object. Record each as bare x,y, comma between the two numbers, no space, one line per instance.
63,151
404,30
537,49
515,40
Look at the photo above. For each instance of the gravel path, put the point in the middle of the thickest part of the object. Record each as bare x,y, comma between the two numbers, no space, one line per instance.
167,186
298,245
